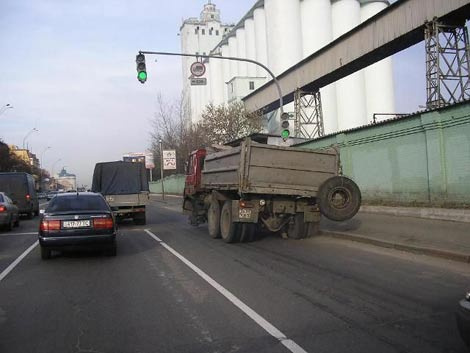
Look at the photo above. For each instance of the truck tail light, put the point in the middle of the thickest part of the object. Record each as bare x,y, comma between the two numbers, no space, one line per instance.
103,223
3,209
246,204
28,197
47,225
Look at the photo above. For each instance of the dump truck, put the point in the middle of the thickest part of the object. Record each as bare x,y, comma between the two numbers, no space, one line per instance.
125,187
245,189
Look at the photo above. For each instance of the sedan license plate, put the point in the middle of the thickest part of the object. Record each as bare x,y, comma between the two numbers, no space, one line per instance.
76,224
244,213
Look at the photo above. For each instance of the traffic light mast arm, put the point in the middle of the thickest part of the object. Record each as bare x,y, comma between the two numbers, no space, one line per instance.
276,82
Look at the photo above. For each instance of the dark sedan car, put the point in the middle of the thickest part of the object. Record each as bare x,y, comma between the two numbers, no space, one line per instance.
77,221
463,319
9,215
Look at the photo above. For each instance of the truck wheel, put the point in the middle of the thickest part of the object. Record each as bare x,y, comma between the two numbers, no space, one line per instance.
247,232
339,198
230,231
213,219
298,230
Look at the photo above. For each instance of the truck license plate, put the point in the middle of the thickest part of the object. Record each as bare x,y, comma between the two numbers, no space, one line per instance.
244,213
76,224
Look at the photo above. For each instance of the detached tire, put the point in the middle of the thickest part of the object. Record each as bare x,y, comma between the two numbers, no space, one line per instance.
213,219
339,198
230,231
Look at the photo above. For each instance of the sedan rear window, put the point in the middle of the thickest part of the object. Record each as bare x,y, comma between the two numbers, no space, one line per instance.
77,203
1,198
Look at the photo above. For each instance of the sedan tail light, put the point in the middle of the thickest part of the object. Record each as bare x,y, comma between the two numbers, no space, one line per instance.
28,197
47,225
3,209
103,223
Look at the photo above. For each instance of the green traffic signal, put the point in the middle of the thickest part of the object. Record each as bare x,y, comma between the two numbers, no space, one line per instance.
142,76
141,68
285,134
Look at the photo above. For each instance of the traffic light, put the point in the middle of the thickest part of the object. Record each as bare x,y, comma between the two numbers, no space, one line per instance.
285,132
141,68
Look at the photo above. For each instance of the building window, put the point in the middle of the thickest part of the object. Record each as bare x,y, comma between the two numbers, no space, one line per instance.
203,31
210,31
196,30
231,87
197,53
251,85
212,16
216,32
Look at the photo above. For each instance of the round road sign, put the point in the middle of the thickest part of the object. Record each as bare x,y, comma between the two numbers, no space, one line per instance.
198,69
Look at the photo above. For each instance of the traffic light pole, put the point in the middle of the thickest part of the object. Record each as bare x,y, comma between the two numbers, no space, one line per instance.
276,82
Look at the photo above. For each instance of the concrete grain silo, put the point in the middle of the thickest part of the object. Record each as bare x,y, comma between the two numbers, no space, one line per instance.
217,81
250,42
350,91
241,52
233,51
259,18
317,31
225,69
379,87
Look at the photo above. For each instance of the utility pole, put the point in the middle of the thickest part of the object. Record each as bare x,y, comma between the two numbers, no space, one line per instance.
161,168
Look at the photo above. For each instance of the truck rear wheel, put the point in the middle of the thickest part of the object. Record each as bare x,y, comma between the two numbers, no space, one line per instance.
339,198
213,219
229,230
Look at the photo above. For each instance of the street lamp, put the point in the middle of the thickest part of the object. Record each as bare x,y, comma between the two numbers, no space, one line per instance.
27,135
5,107
42,165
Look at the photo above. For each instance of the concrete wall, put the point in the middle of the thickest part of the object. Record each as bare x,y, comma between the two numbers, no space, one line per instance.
173,184
423,159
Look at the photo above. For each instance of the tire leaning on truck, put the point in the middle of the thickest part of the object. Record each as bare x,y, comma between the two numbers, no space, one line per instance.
339,198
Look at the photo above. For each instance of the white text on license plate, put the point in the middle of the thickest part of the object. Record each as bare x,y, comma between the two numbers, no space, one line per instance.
76,224
244,213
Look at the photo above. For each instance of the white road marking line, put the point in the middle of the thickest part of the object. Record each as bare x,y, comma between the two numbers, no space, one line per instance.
26,233
17,261
271,329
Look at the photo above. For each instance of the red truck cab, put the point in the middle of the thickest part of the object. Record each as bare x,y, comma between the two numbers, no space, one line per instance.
193,172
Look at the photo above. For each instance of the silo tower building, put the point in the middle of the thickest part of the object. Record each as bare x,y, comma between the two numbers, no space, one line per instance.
199,35
279,34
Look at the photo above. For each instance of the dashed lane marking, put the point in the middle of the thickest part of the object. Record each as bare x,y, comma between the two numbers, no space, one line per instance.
17,261
268,327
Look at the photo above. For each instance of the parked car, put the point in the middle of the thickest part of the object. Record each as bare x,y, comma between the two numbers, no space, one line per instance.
21,189
463,319
9,215
77,221
42,195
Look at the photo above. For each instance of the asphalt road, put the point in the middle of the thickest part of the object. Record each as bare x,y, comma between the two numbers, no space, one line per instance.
174,289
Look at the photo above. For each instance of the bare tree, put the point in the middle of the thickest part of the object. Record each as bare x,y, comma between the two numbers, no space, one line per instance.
219,124
225,123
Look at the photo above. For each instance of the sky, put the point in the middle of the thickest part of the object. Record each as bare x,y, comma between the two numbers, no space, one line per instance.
68,69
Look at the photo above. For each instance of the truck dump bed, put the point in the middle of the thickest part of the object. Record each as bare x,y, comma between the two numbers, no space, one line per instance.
254,168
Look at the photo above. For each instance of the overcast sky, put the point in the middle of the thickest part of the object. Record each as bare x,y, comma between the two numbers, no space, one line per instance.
68,69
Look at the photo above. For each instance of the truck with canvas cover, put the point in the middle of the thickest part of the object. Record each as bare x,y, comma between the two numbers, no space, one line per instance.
20,187
125,187
247,188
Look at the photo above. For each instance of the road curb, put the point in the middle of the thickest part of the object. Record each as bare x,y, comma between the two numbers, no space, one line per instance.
445,214
449,255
